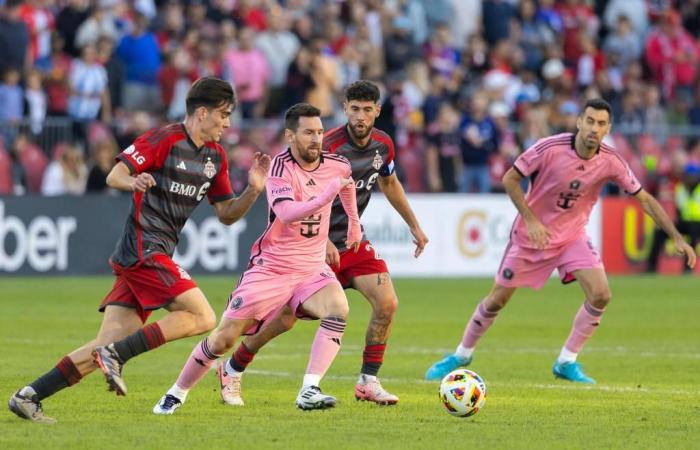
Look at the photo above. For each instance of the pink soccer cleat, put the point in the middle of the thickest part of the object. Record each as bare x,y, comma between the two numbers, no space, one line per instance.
372,391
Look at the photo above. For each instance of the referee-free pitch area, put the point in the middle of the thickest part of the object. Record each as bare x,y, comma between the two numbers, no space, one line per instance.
645,356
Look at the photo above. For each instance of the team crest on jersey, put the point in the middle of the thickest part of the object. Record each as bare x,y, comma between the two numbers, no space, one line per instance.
209,169
183,273
377,161
236,303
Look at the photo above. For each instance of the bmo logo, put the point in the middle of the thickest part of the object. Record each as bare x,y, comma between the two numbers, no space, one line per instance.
189,190
42,243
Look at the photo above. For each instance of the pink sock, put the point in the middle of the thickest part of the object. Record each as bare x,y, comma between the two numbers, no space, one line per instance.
326,345
586,321
197,365
480,321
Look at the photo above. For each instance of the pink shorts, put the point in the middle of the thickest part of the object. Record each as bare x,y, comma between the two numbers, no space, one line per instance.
262,293
526,267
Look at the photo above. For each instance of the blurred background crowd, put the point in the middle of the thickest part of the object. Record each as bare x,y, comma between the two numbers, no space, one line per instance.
467,84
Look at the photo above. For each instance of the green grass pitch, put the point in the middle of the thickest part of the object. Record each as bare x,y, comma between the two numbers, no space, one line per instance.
646,357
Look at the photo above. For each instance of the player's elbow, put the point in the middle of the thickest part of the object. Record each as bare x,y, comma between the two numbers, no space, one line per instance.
226,220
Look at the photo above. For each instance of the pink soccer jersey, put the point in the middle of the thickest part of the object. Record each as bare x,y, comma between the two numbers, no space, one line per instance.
297,246
564,187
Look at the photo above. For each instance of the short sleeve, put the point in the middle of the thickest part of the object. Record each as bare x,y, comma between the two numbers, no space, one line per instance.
623,176
388,167
530,161
278,190
144,155
221,185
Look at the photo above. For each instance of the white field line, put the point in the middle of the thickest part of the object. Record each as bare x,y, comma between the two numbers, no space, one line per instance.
510,384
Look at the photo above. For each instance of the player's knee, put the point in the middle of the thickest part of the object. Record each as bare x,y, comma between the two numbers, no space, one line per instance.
338,308
600,299
206,321
386,307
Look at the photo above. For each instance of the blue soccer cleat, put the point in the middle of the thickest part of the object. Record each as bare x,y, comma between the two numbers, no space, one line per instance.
446,365
571,371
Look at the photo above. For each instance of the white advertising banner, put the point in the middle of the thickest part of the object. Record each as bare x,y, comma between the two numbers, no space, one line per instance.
467,233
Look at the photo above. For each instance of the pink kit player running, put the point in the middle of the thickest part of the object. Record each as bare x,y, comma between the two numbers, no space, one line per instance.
287,264
567,173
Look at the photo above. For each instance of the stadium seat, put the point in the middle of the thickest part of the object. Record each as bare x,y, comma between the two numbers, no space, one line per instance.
5,172
34,162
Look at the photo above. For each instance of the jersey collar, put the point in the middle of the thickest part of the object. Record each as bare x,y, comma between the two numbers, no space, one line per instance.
189,139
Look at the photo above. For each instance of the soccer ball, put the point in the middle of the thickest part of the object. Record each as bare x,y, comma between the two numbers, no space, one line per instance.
462,392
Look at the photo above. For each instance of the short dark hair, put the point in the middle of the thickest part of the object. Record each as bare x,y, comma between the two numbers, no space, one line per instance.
291,117
362,90
599,104
211,93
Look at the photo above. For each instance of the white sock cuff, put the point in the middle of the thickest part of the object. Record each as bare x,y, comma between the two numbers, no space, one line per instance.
178,392
311,379
566,356
464,352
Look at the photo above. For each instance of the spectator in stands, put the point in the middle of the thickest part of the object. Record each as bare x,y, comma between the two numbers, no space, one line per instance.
687,203
279,46
12,103
56,70
99,23
20,182
443,161
496,17
140,54
325,77
175,78
89,94
478,143
35,99
68,21
103,153
14,38
246,68
40,22
622,44
66,174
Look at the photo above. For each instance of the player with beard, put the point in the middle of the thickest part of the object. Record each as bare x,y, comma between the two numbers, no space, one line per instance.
567,172
287,267
371,154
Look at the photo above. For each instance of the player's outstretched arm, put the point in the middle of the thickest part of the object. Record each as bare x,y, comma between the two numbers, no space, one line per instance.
536,231
391,187
229,211
348,197
290,211
120,178
654,209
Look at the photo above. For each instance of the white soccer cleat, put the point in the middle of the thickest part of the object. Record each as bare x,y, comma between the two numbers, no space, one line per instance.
372,391
167,405
311,397
230,386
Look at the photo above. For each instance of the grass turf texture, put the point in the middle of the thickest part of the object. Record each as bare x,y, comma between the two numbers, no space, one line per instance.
645,357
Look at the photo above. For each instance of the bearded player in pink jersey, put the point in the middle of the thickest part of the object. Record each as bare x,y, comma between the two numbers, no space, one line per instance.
287,265
567,173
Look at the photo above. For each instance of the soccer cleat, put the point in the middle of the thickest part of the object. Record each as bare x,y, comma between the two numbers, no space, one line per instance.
372,391
167,405
571,371
311,397
230,386
25,403
111,365
446,365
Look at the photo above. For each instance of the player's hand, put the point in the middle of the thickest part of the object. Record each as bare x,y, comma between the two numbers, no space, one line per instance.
354,236
420,239
332,255
142,182
538,233
682,248
257,175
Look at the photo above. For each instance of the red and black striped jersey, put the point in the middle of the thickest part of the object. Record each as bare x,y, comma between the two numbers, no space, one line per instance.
184,175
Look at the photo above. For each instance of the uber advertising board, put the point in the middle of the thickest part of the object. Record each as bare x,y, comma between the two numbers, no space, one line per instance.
76,235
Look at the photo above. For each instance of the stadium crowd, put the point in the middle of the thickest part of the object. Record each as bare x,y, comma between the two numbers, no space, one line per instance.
467,84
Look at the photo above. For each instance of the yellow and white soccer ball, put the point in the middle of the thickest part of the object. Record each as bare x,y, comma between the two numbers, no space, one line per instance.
462,392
